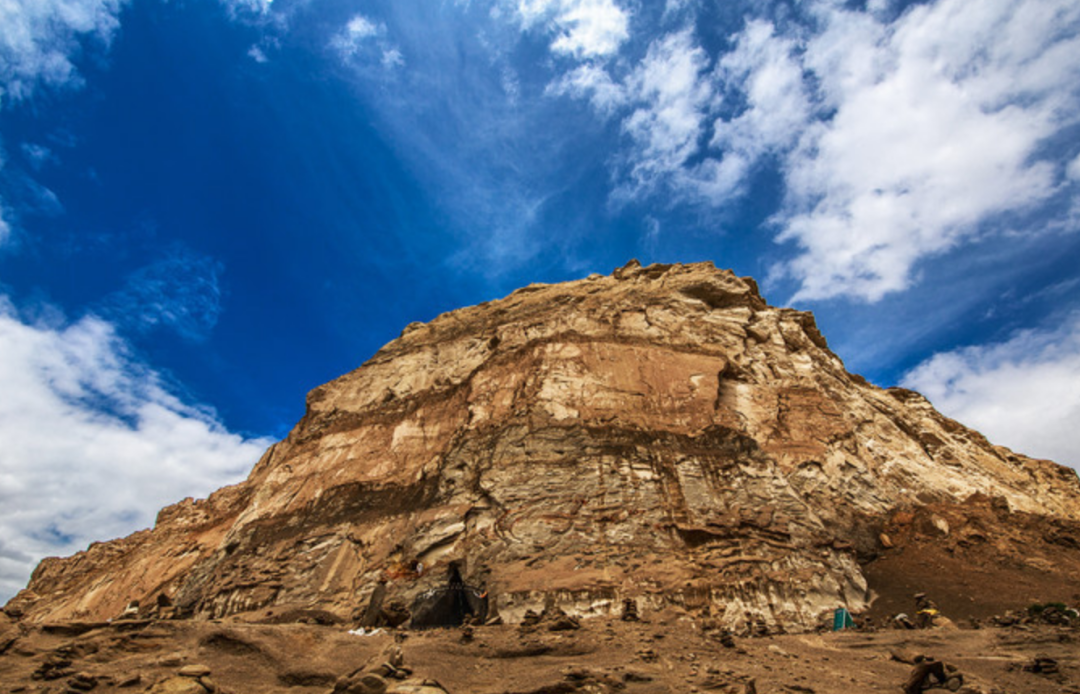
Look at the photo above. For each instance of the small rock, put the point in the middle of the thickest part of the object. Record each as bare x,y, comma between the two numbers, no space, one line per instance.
83,682
564,622
177,685
1042,665
424,687
194,670
130,681
367,684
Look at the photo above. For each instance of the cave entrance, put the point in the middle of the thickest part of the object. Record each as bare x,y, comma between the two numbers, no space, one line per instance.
449,605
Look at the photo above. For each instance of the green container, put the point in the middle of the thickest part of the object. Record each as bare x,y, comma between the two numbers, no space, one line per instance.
842,619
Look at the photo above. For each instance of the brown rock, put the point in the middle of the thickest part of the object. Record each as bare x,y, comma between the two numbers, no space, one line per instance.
666,411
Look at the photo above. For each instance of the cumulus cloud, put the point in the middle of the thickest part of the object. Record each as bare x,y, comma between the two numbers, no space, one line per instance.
593,83
94,442
1023,393
937,126
898,137
582,28
670,100
671,107
764,66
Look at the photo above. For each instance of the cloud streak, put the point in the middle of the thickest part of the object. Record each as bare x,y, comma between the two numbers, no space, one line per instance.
181,292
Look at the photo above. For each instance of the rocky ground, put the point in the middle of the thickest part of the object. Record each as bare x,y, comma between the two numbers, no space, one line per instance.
662,653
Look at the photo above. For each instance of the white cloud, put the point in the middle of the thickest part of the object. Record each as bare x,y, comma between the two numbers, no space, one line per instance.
1073,169
350,40
40,38
247,7
257,54
898,138
937,126
1023,393
591,82
671,95
583,28
392,58
364,39
94,443
778,105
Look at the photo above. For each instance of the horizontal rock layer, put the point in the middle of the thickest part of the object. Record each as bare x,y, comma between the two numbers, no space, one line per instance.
660,434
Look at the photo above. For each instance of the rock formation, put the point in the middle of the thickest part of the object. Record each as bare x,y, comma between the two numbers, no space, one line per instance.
661,435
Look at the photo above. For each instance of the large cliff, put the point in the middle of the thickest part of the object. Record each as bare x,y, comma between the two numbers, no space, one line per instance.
661,434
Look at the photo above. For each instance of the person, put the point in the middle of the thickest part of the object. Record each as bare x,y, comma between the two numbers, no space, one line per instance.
925,611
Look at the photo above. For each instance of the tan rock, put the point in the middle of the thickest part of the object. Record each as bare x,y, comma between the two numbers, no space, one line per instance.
177,685
662,434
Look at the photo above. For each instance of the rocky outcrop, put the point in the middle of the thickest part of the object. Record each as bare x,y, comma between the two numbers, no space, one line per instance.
661,435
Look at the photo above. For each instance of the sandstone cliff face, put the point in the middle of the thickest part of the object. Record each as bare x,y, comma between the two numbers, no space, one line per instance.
660,434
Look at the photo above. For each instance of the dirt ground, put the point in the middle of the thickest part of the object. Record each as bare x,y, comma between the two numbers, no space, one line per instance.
663,654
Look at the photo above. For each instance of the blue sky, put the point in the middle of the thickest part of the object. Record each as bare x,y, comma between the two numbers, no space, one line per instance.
209,207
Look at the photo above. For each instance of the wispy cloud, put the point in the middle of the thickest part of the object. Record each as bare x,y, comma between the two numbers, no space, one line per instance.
248,8
354,35
94,442
40,38
258,55
364,40
180,292
1023,390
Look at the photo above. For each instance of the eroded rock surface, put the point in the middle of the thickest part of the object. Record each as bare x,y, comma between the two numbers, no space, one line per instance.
661,435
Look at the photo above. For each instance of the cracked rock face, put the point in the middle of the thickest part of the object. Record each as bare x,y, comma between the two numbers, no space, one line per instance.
661,434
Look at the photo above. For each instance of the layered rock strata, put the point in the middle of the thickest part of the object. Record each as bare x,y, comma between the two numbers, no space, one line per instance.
661,434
